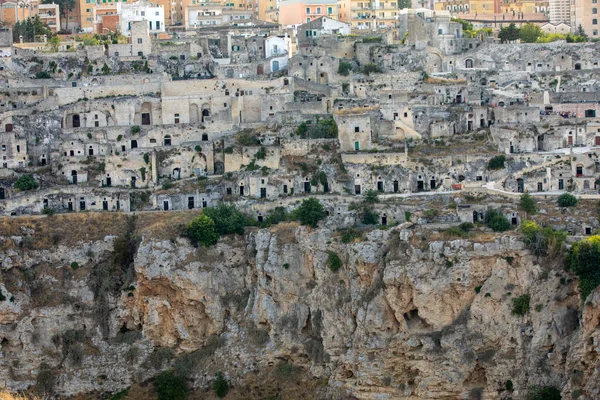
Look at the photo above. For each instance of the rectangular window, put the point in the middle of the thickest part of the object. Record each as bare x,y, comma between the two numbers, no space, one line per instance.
318,10
139,41
150,24
356,129
307,10
143,13
329,10
157,25
176,118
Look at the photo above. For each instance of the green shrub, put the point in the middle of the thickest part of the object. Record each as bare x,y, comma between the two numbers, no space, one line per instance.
543,393
509,385
539,307
369,217
542,241
49,211
495,220
567,200
26,182
310,212
220,385
169,386
202,231
198,148
350,234
158,358
42,75
261,154
45,380
228,150
279,214
370,68
75,265
344,68
407,215
248,139
521,305
527,204
168,185
228,219
333,261
135,129
583,259
147,158
496,163
477,289
371,197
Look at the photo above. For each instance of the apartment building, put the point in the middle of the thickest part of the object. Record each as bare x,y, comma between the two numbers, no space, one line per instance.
296,12
586,15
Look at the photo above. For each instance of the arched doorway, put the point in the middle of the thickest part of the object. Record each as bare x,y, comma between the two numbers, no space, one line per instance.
146,114
468,63
205,112
176,173
167,140
194,113
76,121
74,177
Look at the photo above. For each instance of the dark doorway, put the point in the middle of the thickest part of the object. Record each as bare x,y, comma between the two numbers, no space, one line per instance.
2,195
76,121
458,98
384,219
420,186
134,144
482,123
432,184
395,186
70,206
306,187
165,205
105,205
205,113
469,125
241,190
285,189
190,203
91,151
357,189
204,137
82,205
514,220
540,187
74,177
263,193
561,184
520,185
260,219
475,216
145,118
380,186
108,181
133,179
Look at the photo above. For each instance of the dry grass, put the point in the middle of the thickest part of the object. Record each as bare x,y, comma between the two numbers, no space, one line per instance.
442,81
355,110
6,395
66,229
164,225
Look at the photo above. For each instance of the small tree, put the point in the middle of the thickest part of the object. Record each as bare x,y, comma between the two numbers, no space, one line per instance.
371,197
530,32
496,163
26,182
310,212
509,33
369,217
54,42
567,200
202,230
220,385
527,204
495,220
228,219
521,305
333,261
170,386
543,393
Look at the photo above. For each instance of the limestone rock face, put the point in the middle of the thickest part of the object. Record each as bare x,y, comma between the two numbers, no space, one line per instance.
405,317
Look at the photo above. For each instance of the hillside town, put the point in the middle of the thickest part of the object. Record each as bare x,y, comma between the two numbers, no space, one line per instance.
154,117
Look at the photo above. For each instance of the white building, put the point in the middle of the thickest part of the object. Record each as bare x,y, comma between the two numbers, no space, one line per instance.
142,11
276,53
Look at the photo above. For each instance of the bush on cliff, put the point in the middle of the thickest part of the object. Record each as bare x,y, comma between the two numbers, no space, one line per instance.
220,385
227,219
170,386
26,182
310,212
202,230
495,220
584,260
567,200
542,241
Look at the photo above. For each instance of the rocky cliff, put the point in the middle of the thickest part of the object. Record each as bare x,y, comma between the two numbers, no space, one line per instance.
96,303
